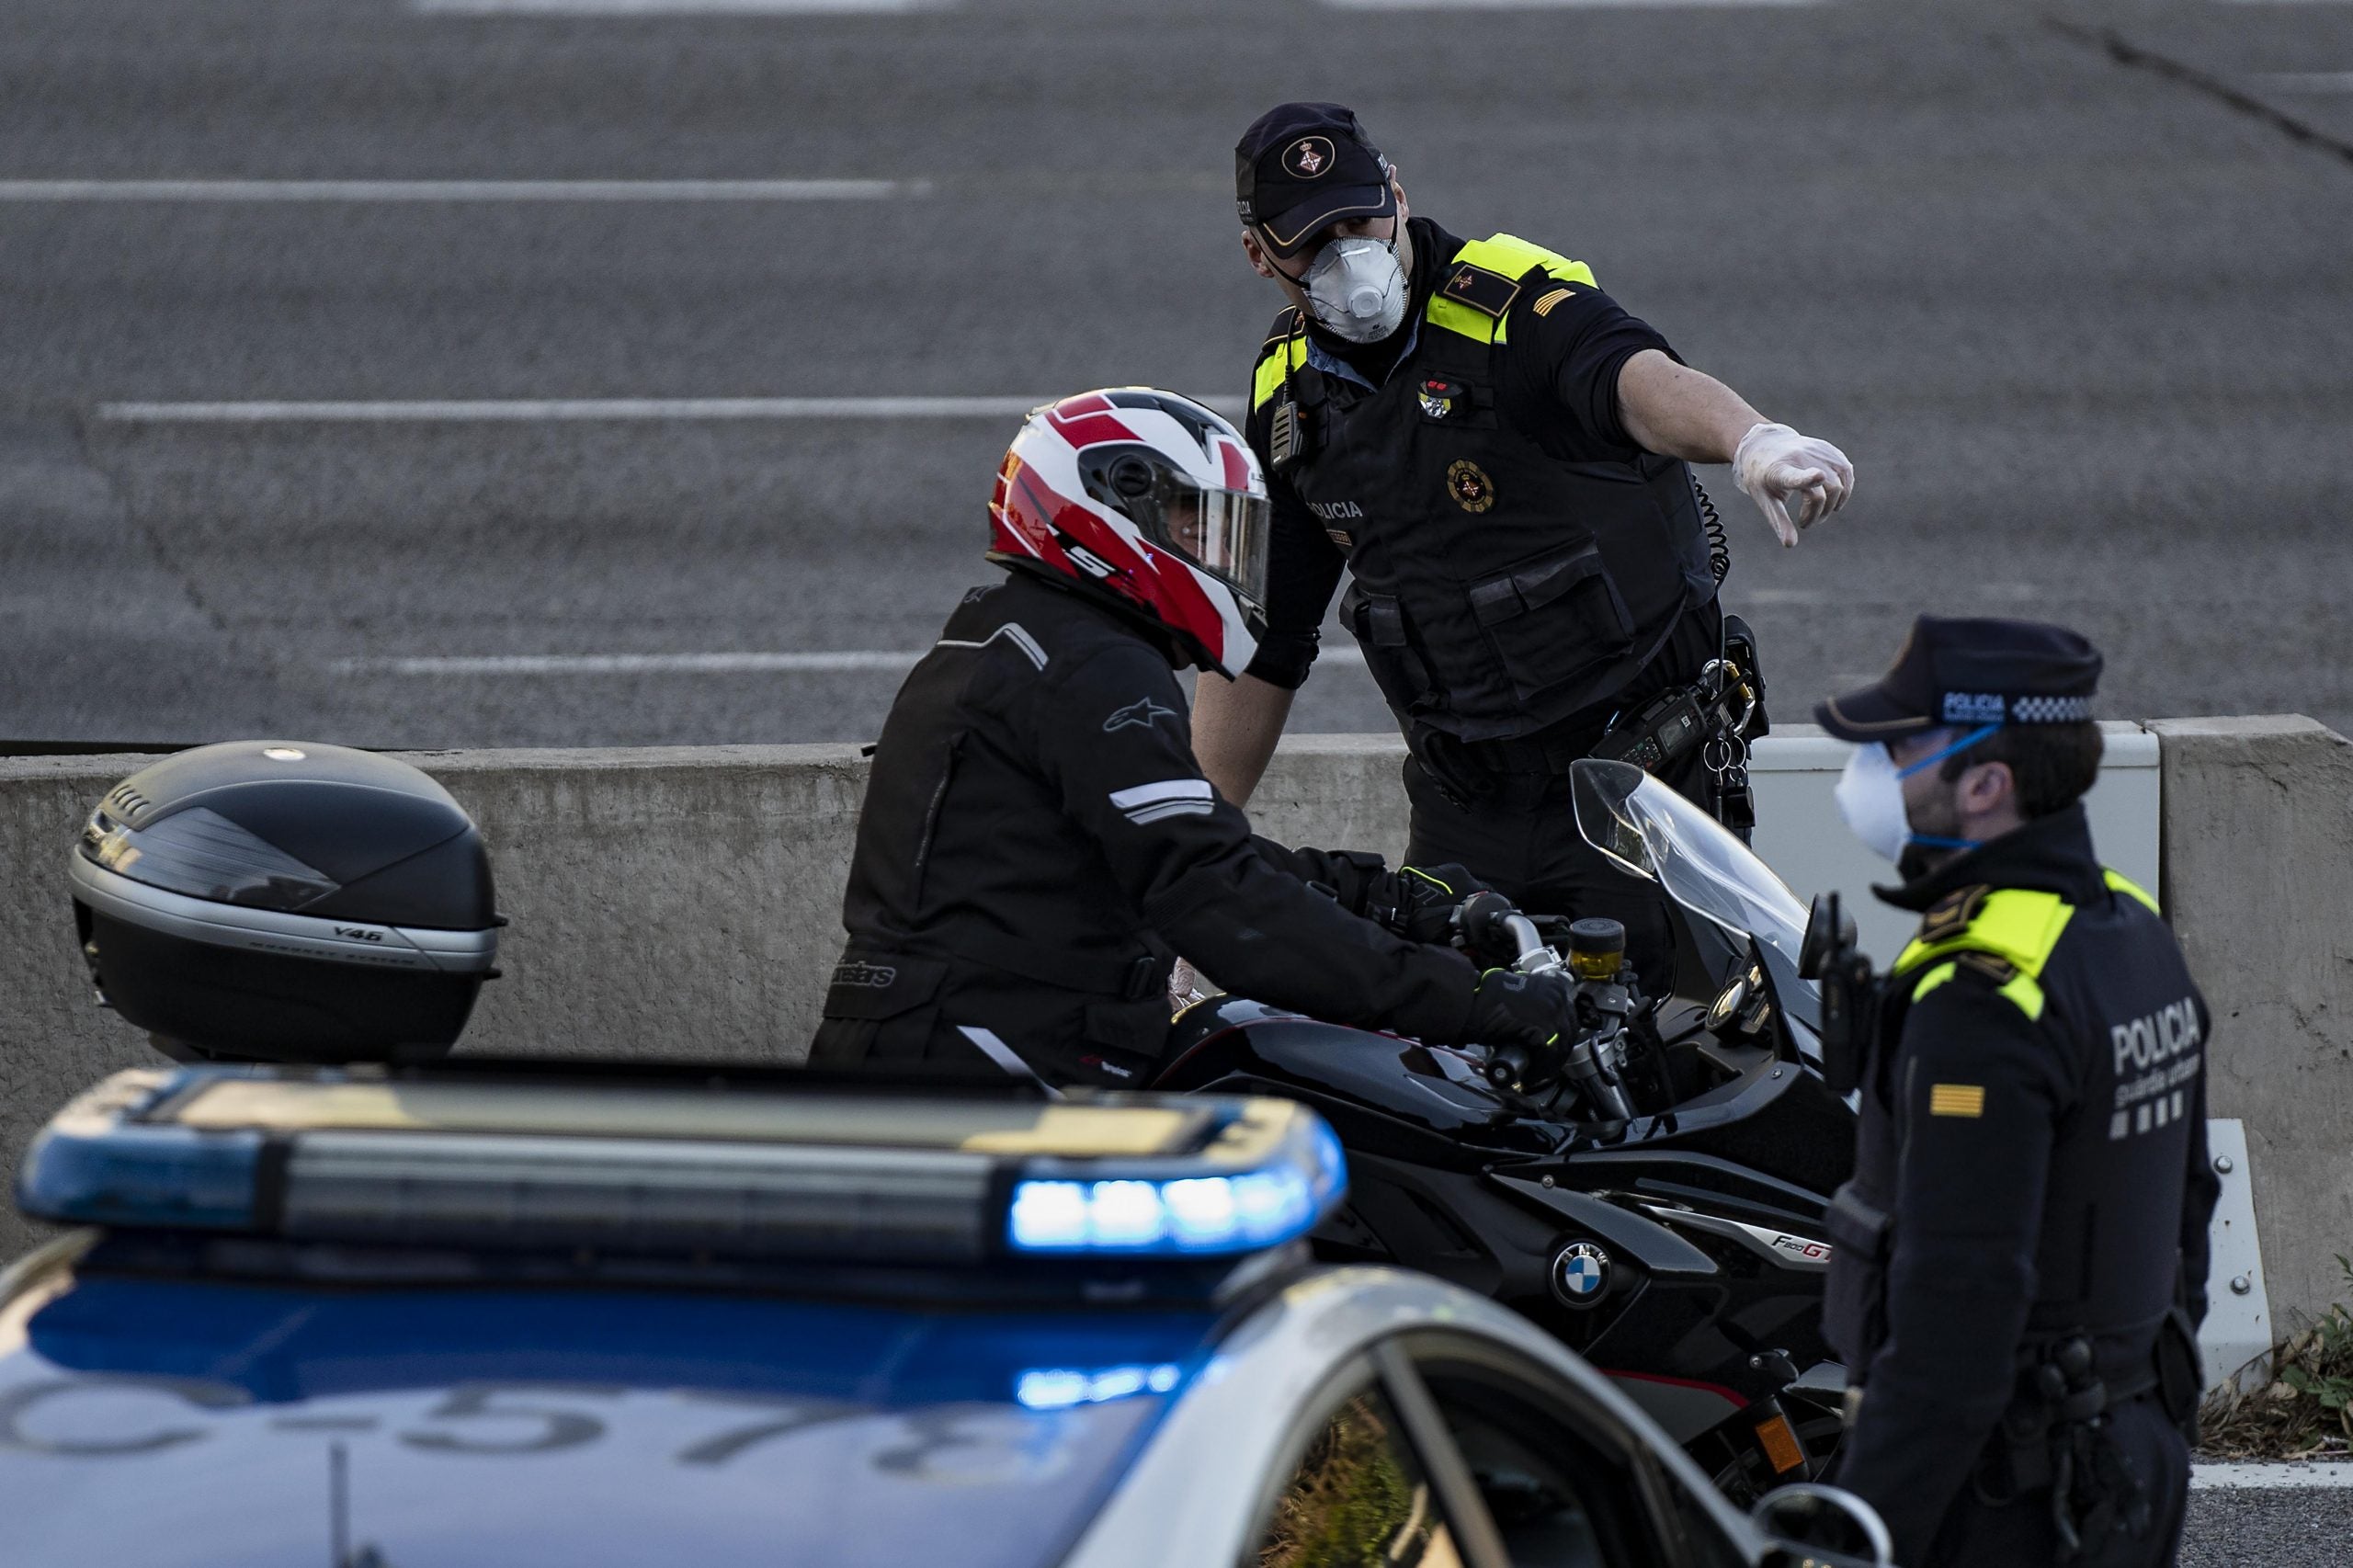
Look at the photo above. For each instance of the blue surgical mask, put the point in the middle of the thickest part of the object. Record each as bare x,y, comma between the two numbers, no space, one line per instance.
1871,798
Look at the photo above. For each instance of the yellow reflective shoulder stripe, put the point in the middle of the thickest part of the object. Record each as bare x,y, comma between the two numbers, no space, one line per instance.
2027,993
2119,882
1935,977
1513,257
1287,354
2021,991
2016,924
1476,325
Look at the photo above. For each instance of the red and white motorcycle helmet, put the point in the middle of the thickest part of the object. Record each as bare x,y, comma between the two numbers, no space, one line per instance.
1148,502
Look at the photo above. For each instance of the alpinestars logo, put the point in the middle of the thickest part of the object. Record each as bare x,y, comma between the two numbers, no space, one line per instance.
865,976
1141,714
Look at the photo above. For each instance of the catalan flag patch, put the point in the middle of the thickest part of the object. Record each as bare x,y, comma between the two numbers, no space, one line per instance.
1956,1099
1544,306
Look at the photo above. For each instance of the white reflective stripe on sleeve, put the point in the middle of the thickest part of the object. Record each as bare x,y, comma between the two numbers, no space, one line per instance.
1166,790
1146,815
1012,631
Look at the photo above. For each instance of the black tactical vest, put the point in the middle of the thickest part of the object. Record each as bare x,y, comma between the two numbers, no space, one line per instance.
1495,589
2106,983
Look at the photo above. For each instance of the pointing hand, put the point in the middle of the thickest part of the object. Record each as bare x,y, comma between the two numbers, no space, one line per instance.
1776,466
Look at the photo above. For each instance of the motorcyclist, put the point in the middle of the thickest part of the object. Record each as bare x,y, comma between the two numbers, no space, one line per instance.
1037,840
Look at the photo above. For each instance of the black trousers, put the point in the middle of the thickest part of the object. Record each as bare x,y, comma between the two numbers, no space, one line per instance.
2019,1533
1520,835
1526,845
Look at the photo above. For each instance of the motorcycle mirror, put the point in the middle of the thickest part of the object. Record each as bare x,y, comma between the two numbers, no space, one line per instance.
1813,1516
1827,928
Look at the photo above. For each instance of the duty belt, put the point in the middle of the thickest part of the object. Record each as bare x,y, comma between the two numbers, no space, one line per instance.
2054,1438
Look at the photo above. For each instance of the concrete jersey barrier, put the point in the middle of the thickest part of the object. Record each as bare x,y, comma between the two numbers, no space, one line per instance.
684,903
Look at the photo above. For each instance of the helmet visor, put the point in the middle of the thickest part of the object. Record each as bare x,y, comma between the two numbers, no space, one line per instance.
1223,532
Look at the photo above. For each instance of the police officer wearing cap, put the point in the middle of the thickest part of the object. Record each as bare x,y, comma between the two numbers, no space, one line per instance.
1495,452
2021,1256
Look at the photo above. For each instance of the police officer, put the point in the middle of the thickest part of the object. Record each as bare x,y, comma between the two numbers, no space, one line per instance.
1495,451
2021,1256
1036,833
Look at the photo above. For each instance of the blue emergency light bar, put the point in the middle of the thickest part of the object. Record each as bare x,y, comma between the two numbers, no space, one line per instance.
1184,1215
761,1172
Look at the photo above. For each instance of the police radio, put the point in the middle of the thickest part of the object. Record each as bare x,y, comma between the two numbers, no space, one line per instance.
1832,956
1298,431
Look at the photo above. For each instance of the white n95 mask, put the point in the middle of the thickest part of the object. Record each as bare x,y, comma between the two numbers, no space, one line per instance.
1357,289
1870,799
1871,796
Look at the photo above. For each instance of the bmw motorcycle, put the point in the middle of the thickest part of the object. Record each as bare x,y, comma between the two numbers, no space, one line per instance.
1652,1190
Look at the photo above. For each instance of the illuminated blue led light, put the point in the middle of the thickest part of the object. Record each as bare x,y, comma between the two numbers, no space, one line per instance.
1061,1388
1049,1216
1126,1214
1235,1214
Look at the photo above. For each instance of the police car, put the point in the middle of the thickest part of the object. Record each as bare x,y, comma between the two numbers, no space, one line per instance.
378,1317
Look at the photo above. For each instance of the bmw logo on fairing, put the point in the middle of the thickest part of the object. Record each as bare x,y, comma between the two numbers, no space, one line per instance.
1580,1274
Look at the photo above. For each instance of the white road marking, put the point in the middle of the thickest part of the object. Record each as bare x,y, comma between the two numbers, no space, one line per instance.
1562,4
826,662
2311,81
2006,592
670,7
444,190
465,411
2269,1477
851,661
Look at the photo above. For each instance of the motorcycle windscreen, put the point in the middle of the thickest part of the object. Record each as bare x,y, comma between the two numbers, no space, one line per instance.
1650,831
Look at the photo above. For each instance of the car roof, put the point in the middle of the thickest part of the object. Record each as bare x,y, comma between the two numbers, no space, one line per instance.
203,1422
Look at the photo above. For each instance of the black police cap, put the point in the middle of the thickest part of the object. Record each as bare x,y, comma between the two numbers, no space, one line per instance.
1971,673
1302,168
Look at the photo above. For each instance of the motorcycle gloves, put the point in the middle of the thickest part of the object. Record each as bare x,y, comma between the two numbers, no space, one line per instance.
1418,903
1776,466
1534,1010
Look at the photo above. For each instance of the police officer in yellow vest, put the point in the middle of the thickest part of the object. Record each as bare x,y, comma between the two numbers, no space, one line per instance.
1495,452
2021,1256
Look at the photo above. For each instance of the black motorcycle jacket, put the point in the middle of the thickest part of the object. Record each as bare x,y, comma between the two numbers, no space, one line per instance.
1499,582
1037,841
2031,1164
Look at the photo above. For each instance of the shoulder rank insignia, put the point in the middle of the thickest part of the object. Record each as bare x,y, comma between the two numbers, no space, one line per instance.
1950,915
1490,293
2000,971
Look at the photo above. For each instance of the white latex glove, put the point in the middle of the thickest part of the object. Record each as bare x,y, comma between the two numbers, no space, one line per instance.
1774,464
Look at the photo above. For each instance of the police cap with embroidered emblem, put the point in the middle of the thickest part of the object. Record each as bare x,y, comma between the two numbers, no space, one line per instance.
1302,168
1971,672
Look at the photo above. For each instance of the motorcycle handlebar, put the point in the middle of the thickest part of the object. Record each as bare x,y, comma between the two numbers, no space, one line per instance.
1490,924
1522,931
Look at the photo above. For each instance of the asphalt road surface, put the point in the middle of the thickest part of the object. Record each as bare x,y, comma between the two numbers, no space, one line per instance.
2071,283
2288,1528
